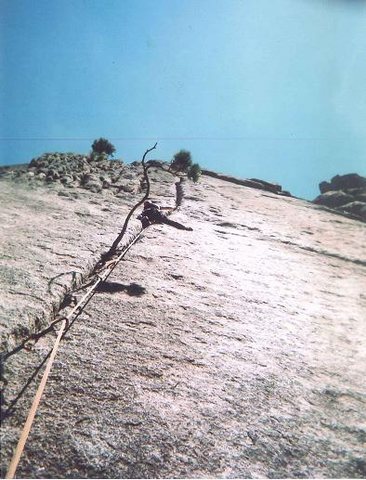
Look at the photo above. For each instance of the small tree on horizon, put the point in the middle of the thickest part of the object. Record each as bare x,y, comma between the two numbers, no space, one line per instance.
102,145
194,172
181,162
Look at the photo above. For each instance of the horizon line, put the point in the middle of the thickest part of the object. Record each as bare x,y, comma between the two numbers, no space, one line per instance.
175,138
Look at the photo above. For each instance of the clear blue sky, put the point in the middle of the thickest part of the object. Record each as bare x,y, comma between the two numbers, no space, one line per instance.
273,89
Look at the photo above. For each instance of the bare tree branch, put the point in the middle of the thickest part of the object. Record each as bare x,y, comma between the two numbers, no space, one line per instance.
131,212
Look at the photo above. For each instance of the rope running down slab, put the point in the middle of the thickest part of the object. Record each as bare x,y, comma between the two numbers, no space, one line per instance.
32,412
67,323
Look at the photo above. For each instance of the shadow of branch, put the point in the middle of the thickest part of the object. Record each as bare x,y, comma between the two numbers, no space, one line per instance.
133,289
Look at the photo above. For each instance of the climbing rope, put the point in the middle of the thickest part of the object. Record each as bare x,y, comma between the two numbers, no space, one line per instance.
68,321
31,340
32,412
74,314
78,308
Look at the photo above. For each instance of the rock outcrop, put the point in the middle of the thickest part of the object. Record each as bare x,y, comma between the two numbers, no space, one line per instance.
235,350
252,183
346,193
94,172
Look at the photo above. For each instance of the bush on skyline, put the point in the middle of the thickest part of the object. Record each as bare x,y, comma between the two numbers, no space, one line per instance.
102,145
181,162
194,172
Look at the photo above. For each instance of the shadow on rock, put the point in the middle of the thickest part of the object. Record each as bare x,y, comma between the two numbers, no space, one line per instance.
133,289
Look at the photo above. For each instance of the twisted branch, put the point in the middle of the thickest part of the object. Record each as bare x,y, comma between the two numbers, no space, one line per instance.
115,244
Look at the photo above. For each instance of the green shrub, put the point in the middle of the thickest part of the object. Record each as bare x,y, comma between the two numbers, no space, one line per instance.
181,161
194,172
102,145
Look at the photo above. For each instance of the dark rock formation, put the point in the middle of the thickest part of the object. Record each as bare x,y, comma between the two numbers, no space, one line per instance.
345,193
324,187
333,199
356,208
345,182
271,187
252,183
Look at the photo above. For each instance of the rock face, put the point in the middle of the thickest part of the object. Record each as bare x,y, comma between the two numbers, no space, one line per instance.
235,350
346,193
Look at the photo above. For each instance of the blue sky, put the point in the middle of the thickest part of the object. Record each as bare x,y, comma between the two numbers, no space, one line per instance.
273,89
